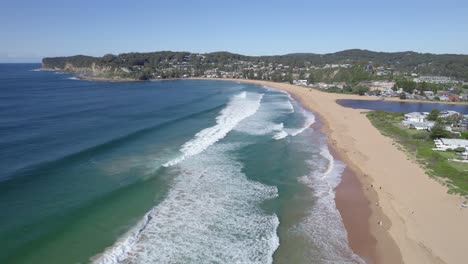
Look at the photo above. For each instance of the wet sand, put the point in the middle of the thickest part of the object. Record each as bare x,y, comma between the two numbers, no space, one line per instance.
413,218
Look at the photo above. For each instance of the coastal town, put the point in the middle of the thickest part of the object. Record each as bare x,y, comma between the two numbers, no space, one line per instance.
433,88
382,80
348,72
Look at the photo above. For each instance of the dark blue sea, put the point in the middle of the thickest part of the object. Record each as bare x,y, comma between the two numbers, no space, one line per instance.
184,171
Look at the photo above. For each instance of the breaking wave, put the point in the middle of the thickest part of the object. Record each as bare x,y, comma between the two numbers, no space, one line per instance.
240,107
324,219
211,215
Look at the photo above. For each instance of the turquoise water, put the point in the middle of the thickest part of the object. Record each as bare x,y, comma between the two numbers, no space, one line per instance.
162,172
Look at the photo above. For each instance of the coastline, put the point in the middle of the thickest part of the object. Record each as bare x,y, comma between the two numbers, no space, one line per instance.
354,202
349,96
409,210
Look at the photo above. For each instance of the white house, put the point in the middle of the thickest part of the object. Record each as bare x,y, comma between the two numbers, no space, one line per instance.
422,125
300,82
448,113
450,143
416,116
429,93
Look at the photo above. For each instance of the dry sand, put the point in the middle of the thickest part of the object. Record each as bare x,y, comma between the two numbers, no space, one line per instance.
416,212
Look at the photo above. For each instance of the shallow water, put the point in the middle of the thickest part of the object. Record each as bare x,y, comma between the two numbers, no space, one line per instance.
162,172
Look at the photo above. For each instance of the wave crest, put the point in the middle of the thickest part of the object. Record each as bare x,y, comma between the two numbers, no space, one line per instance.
239,108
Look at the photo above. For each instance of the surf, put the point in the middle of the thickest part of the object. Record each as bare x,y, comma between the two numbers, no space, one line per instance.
239,108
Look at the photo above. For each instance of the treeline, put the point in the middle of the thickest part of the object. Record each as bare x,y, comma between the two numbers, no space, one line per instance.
409,86
351,75
455,66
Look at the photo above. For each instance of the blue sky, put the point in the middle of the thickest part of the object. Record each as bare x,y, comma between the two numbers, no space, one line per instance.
31,29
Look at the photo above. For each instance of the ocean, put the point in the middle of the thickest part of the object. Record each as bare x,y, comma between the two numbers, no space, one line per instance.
182,171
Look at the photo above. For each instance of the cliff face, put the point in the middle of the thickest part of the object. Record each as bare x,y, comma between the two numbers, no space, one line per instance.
85,69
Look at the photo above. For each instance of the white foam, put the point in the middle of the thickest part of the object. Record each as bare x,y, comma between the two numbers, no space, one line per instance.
36,70
211,215
240,107
290,106
309,120
324,219
73,78
264,121
281,133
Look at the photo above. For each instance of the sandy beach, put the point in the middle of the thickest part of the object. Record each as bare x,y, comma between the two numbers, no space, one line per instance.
411,217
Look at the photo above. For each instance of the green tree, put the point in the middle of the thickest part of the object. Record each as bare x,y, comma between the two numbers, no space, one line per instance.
433,115
311,78
438,131
360,89
460,149
464,135
403,96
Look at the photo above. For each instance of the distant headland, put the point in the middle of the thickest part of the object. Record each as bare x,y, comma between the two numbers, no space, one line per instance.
402,74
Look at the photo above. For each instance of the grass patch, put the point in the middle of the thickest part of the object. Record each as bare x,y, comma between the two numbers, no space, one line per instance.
418,146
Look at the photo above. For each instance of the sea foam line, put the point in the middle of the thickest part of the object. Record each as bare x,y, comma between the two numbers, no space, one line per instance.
284,132
239,108
211,215
324,219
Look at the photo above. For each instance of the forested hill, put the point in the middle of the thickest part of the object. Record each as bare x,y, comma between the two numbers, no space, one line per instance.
167,64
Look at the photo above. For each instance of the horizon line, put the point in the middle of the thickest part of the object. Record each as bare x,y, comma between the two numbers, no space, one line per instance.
39,59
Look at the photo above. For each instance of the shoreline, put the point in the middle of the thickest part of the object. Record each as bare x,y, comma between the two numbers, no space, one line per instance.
355,206
413,218
354,203
370,98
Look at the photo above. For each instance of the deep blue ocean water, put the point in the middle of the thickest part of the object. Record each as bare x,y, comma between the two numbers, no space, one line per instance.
184,171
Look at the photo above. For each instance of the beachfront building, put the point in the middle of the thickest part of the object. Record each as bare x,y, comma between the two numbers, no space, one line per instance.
416,116
450,143
427,125
418,121
448,113
300,82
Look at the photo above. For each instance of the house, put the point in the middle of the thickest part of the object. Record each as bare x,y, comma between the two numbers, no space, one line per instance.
429,93
300,82
454,97
464,125
443,98
450,143
416,116
417,120
448,113
322,85
422,125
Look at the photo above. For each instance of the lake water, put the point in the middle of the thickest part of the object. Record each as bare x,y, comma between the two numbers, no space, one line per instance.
405,107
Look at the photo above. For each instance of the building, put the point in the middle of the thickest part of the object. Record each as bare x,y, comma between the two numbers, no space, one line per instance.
428,93
448,113
416,116
379,85
450,143
422,125
300,82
